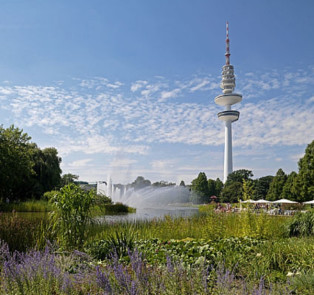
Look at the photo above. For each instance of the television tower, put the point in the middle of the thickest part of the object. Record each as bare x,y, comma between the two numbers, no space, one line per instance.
227,99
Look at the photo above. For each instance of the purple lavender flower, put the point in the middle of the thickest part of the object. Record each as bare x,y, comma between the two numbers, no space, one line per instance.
170,266
103,281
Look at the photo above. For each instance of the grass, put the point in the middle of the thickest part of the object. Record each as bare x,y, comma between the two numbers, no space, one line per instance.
203,226
45,206
26,206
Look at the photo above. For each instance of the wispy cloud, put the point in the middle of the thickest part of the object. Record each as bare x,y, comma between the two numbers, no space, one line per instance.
138,85
96,116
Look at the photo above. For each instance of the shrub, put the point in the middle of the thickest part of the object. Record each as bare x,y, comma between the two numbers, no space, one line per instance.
119,243
302,224
71,215
116,208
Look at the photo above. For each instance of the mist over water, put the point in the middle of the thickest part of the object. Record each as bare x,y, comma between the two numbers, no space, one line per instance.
146,197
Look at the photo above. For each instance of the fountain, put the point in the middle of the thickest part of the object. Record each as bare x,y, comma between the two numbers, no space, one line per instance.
146,197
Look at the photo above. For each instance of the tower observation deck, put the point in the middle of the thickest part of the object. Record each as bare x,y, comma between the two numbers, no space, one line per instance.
227,99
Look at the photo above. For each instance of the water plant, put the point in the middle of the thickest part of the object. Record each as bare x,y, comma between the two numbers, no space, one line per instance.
71,215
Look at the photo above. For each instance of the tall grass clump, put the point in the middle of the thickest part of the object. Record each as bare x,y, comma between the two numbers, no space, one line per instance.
71,214
22,233
302,224
26,206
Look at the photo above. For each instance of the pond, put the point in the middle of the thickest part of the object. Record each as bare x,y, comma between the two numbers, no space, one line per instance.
151,213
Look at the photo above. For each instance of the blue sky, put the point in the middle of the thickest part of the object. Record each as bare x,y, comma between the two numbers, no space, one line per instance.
127,88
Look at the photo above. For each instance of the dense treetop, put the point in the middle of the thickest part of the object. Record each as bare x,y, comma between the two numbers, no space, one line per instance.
26,171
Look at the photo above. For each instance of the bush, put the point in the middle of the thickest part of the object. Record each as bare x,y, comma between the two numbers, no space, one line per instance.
302,225
71,215
116,208
119,243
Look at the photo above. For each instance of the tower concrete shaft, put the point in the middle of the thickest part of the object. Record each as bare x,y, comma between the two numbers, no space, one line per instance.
228,167
227,99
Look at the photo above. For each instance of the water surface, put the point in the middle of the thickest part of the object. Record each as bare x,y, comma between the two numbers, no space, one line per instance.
152,213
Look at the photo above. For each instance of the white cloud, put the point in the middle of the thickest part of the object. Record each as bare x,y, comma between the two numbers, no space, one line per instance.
169,94
138,85
311,99
200,85
122,162
79,163
162,164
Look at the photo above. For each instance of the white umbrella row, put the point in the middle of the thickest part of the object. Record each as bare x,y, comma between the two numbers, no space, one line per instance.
309,202
261,201
281,201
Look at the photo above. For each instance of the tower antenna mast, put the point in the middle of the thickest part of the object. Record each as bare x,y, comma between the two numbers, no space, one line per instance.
227,54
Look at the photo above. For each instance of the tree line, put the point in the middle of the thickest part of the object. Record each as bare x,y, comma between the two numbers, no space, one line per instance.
26,172
240,184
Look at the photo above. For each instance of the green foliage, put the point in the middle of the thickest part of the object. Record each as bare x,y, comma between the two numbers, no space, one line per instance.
276,186
16,164
287,190
116,208
233,189
303,282
277,258
203,188
27,206
200,191
247,189
218,187
304,182
238,176
71,215
231,193
47,171
68,178
192,252
119,242
25,170
302,224
211,187
163,183
262,186
21,233
209,225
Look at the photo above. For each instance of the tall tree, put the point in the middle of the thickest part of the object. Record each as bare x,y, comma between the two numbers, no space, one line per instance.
287,190
247,189
232,190
262,186
218,187
140,182
16,163
200,191
239,175
182,183
47,169
211,187
231,193
304,182
276,186
68,178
